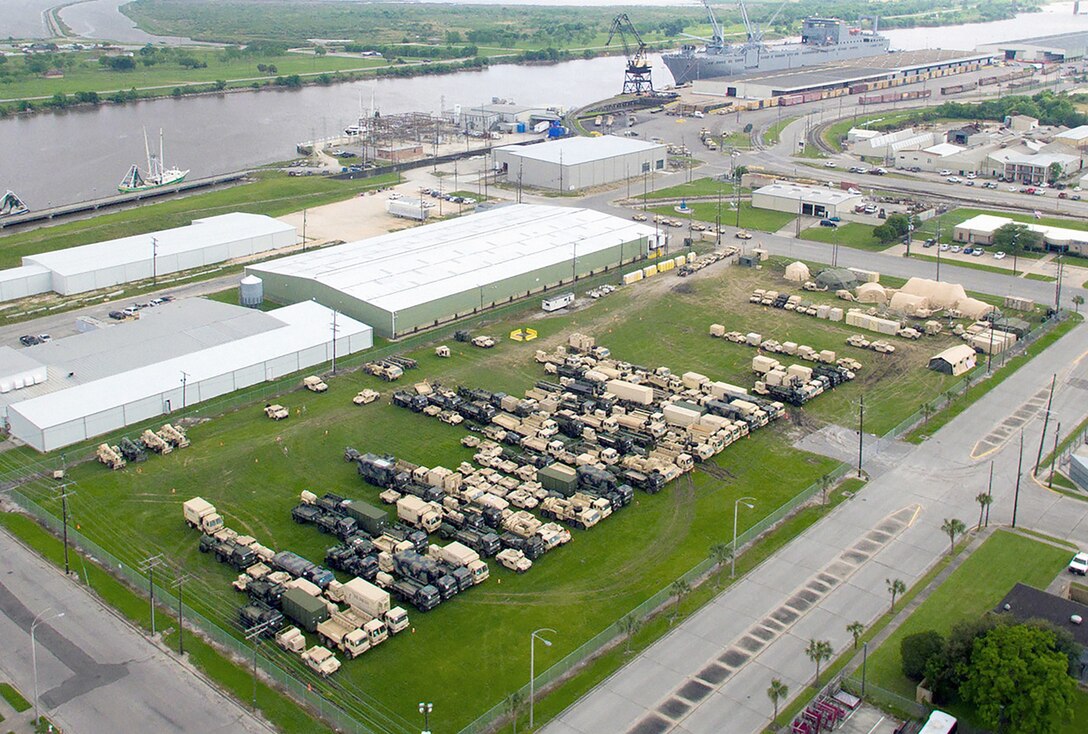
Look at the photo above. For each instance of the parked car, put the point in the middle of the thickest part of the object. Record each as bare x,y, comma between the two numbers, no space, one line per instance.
953,179
944,172
829,164
999,256
914,169
743,235
1079,564
955,248
29,340
929,243
979,252
971,176
944,248
968,251
117,316
828,223
43,338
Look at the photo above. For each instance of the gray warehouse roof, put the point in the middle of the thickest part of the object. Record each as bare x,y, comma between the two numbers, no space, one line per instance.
813,194
573,151
423,264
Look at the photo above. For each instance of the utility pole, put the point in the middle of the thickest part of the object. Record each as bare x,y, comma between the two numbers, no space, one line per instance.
154,260
253,634
861,432
1046,421
335,329
184,384
1019,471
65,493
303,230
1058,284
149,565
1054,456
938,237
179,582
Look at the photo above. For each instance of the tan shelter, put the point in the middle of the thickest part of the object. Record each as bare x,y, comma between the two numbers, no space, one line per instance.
909,304
954,360
973,308
872,293
797,272
939,295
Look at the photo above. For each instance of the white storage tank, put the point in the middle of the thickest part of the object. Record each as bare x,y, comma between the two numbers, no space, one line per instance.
251,291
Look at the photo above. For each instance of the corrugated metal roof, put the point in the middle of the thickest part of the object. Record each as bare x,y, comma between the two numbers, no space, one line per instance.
301,326
201,234
580,150
812,194
423,264
16,360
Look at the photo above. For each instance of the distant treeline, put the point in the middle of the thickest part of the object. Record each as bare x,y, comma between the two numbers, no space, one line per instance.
1047,107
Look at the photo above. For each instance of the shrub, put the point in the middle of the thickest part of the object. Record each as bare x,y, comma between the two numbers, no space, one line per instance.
916,651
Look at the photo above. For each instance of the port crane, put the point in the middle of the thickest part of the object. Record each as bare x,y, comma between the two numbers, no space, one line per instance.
636,77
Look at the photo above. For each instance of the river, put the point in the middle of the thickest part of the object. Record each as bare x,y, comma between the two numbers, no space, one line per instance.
52,159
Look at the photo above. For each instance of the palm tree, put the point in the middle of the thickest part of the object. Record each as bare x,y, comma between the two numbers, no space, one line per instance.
777,692
856,629
818,651
984,499
720,553
825,484
953,527
630,625
514,703
1078,301
895,588
927,411
679,588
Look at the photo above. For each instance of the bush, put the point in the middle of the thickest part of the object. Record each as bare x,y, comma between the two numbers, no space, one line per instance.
916,651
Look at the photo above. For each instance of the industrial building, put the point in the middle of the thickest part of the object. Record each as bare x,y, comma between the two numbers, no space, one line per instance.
176,355
809,201
414,279
1056,48
579,163
105,264
980,230
1078,468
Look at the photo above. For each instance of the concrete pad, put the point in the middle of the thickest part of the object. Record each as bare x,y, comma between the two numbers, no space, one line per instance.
682,653
724,714
614,713
720,628
644,682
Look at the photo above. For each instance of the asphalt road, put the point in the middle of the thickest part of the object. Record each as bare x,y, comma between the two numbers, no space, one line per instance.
95,672
710,674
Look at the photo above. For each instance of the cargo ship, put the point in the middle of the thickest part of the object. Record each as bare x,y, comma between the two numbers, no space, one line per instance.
823,41
157,175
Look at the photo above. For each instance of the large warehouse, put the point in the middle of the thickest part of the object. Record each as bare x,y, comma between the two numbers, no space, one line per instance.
579,163
104,264
810,201
174,356
417,278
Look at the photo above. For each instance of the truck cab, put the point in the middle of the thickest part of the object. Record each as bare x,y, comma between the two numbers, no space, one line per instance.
396,620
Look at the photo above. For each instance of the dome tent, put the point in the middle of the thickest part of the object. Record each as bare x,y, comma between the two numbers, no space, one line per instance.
872,293
797,272
837,279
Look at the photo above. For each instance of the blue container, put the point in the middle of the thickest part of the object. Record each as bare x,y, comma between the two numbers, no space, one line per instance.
521,127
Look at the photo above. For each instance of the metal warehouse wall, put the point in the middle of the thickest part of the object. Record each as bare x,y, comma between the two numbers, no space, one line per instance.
546,175
162,404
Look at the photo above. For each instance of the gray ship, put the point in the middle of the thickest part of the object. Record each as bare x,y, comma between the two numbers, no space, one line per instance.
823,41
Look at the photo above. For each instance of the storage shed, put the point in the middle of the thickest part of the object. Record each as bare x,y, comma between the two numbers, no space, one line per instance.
204,242
954,360
417,278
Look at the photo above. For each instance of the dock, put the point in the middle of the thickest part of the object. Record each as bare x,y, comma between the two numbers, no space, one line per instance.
117,200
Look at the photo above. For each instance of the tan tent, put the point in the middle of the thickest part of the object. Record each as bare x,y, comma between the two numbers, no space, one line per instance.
797,272
909,304
940,295
973,308
872,293
954,360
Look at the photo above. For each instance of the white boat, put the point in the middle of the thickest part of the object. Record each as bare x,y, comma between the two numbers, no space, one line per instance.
157,174
11,204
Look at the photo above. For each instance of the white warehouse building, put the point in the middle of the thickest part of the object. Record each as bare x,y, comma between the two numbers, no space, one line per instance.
809,201
579,163
139,257
173,357
417,278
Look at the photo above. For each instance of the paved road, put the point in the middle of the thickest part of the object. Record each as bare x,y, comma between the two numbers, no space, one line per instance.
95,672
711,673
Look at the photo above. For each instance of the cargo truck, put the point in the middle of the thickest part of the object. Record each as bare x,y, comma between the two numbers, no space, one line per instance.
411,565
343,631
372,603
291,563
256,614
201,514
304,610
370,518
458,555
423,597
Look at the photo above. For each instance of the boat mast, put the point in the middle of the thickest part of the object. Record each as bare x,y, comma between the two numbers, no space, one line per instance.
716,28
162,160
147,152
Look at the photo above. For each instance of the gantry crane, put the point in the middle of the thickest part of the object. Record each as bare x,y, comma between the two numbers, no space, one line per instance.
636,78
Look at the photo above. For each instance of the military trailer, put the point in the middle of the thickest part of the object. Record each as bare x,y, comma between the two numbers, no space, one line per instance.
304,610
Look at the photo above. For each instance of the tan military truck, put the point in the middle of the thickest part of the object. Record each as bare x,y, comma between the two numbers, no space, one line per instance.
442,351
366,397
484,342
201,514
321,661
110,456
313,383
276,412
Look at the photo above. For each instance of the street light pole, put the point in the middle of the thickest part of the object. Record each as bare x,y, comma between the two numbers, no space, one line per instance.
34,652
532,665
746,501
425,709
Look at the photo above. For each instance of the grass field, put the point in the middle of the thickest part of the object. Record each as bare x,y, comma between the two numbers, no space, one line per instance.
949,220
961,263
969,592
850,234
698,187
274,194
87,75
253,469
773,133
737,140
763,220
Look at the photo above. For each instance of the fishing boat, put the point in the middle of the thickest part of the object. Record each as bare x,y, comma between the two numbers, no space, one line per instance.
157,174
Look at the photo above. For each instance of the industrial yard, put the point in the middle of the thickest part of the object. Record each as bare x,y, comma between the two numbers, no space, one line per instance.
253,470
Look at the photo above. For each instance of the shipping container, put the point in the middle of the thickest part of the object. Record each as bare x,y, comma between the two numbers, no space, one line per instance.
304,610
558,478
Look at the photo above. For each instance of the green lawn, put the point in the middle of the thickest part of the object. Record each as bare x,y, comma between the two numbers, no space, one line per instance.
763,220
850,234
736,140
237,461
835,132
89,76
773,133
1040,276
970,591
949,220
698,187
13,697
273,194
961,263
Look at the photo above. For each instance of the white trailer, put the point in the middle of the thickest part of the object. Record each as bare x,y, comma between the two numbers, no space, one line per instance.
554,303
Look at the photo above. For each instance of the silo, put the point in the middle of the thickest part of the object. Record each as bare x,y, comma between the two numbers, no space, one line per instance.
251,291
